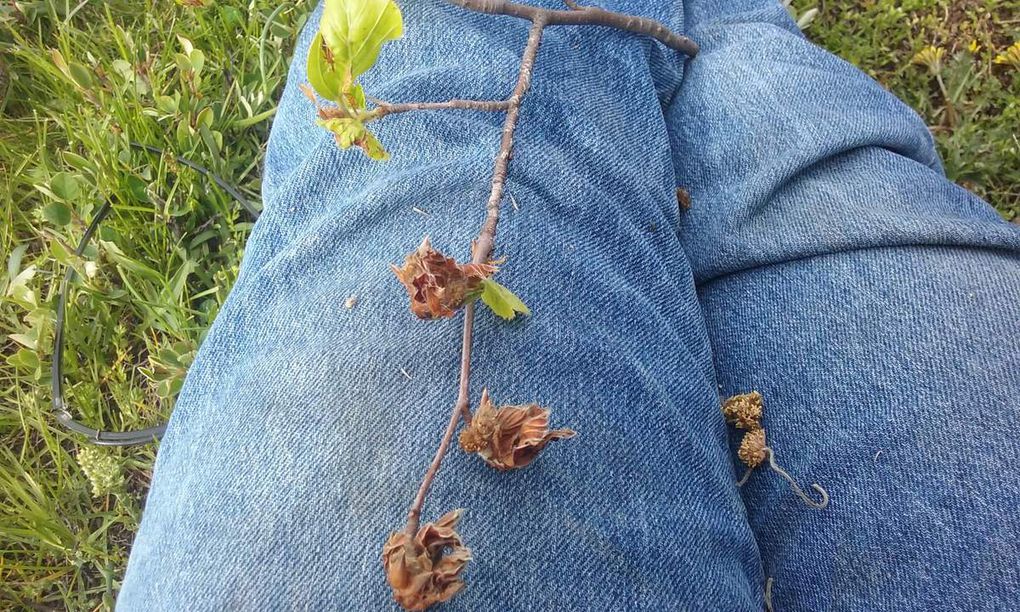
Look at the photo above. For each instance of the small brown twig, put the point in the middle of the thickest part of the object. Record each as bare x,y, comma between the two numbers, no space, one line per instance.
584,15
385,108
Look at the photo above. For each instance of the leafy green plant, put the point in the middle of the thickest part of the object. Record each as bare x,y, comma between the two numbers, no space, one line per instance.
78,83
350,37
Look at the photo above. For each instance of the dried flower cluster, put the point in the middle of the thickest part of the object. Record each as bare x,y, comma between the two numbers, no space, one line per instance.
744,411
752,448
509,437
425,570
438,285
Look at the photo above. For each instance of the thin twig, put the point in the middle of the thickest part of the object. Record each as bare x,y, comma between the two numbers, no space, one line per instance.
483,246
584,15
385,108
481,251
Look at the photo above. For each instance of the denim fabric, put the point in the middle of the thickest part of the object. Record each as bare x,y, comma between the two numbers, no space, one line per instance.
825,262
875,306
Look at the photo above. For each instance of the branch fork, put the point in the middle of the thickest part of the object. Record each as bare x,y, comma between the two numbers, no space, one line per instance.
505,437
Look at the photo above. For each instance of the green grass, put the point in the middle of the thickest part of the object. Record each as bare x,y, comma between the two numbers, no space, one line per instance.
80,81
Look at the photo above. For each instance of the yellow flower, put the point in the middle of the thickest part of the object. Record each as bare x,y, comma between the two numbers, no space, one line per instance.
931,57
973,47
1010,56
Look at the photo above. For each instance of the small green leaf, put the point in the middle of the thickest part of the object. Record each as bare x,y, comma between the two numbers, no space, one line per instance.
356,97
356,30
123,68
57,213
351,132
372,147
136,188
501,300
184,133
24,359
346,131
64,186
167,104
197,59
204,118
321,74
80,75
185,44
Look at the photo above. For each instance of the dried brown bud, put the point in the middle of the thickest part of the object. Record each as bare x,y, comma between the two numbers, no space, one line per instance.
683,198
752,448
744,411
419,571
509,437
438,285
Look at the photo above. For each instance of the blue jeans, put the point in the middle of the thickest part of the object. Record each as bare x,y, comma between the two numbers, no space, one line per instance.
825,261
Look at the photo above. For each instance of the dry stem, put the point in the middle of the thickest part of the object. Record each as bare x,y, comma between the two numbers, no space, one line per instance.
482,247
481,251
584,15
385,108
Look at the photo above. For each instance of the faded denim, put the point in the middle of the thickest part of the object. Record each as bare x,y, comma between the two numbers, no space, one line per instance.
826,261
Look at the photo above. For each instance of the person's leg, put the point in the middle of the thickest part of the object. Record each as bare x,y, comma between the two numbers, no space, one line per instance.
304,427
874,305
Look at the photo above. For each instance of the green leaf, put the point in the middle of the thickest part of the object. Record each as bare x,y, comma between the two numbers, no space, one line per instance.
321,74
57,213
80,75
350,132
372,147
356,97
197,59
136,188
184,133
24,359
64,186
346,131
356,30
501,300
167,104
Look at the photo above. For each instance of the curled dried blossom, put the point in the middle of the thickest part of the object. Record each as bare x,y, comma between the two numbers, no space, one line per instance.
438,285
426,570
752,448
744,411
683,198
509,437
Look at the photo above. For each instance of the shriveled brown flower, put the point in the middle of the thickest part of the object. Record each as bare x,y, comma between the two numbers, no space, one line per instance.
683,198
509,437
418,570
744,411
438,285
752,448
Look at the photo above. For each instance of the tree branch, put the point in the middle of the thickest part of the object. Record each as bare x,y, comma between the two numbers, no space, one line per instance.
384,108
584,15
483,246
480,253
